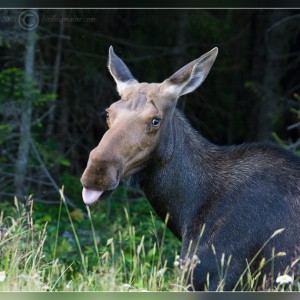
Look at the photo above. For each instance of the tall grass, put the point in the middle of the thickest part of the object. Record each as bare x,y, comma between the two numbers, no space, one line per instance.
125,261
122,264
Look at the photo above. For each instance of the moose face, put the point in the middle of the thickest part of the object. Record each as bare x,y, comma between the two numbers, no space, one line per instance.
136,123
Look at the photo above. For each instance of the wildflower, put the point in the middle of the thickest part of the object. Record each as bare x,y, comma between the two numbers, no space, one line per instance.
2,276
69,284
161,272
185,263
284,279
196,259
176,263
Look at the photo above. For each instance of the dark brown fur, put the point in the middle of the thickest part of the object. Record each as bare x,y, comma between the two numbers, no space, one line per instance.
242,194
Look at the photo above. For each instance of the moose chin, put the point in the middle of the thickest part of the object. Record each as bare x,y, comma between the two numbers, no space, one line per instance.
235,196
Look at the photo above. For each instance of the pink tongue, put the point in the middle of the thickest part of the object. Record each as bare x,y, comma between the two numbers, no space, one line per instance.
90,196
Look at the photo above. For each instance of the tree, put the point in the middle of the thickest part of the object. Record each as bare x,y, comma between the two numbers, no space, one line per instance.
276,41
26,114
246,97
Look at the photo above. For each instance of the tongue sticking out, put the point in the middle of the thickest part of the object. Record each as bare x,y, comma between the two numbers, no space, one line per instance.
90,196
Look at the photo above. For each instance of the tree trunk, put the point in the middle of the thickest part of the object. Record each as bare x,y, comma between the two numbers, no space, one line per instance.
237,48
257,58
275,41
26,113
54,90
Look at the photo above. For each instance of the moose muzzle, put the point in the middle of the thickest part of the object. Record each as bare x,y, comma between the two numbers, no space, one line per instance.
101,176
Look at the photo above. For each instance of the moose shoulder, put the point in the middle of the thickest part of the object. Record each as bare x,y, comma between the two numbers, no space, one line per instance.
242,194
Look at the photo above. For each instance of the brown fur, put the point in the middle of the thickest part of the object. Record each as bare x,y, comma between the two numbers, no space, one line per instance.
242,194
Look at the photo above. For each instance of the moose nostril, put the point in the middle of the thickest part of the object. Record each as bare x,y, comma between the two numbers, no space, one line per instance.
102,175
83,181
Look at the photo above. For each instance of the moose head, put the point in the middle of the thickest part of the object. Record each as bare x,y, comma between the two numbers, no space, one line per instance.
138,124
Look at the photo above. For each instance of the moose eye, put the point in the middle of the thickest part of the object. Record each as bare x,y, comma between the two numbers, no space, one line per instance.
155,122
104,114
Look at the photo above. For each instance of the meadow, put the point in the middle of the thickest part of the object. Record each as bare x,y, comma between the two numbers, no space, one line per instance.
107,247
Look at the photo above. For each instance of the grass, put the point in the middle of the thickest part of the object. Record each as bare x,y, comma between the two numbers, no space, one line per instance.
122,262
87,251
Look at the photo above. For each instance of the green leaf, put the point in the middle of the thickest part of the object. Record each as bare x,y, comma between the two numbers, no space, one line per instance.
65,162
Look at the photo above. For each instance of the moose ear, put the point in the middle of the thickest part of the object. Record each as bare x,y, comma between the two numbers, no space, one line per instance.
188,78
119,71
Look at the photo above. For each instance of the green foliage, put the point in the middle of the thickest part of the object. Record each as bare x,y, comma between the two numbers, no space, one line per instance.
14,90
4,130
51,154
254,87
104,251
46,248
211,26
72,185
15,86
287,143
11,84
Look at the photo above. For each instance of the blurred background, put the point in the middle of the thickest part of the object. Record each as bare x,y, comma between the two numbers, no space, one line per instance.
54,83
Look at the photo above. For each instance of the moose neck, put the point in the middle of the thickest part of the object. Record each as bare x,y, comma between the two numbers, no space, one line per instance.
178,178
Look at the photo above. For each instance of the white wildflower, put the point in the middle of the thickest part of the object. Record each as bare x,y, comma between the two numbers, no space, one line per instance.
69,284
2,276
126,285
46,288
176,263
196,259
161,272
284,279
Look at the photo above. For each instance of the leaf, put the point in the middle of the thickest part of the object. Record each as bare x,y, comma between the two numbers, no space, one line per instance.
65,162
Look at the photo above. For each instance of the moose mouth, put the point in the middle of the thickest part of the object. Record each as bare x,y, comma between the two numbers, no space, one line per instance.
91,196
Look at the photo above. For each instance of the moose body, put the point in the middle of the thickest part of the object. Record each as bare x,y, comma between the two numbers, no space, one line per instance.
239,195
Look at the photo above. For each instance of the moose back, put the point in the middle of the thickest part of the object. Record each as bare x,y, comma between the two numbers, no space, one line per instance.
241,194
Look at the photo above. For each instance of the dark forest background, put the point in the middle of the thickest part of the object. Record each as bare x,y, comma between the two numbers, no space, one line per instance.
54,84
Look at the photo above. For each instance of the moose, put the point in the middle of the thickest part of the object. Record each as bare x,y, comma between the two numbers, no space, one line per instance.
236,196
